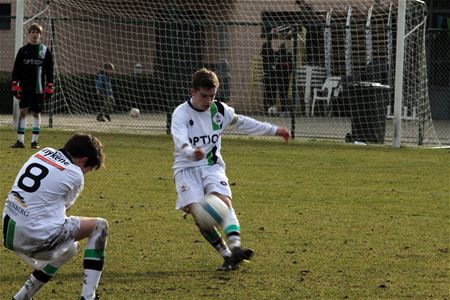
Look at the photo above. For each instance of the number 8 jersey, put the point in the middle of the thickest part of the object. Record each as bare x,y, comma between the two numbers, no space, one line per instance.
46,186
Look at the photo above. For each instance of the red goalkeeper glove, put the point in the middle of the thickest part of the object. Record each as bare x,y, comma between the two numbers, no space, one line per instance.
16,89
49,90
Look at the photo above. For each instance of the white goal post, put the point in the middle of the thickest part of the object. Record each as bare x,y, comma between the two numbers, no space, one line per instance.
18,39
351,70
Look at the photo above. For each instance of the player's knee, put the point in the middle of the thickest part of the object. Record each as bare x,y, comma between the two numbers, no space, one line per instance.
224,198
99,236
102,227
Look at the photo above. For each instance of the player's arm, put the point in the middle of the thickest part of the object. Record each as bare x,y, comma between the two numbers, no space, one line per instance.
48,66
16,73
255,127
49,90
16,89
109,87
252,126
74,188
180,137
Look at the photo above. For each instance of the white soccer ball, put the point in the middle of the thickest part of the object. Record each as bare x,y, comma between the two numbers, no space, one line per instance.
272,111
209,212
135,113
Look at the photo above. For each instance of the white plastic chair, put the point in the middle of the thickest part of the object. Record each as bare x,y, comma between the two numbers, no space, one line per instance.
330,89
308,78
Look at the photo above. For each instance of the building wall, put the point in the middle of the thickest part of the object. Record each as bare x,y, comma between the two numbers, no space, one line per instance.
83,47
7,38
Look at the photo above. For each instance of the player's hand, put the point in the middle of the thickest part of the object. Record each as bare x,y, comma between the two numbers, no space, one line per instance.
284,133
16,89
49,90
198,154
192,153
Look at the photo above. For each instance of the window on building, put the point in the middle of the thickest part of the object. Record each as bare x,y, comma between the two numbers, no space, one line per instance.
5,16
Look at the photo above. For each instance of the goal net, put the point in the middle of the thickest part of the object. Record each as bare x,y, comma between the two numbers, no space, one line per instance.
325,69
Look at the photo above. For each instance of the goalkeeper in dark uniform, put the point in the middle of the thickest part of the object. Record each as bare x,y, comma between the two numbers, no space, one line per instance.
33,67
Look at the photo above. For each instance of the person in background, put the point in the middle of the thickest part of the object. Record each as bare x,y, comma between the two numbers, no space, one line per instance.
269,76
284,71
32,83
103,86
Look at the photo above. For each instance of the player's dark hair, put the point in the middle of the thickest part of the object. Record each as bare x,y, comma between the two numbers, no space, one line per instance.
85,145
205,78
36,27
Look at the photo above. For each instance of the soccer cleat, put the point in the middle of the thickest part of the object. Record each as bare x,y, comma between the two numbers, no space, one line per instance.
18,144
108,118
228,265
242,254
35,145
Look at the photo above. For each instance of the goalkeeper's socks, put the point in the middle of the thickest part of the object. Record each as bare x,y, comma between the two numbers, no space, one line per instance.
32,285
36,128
21,130
43,275
232,229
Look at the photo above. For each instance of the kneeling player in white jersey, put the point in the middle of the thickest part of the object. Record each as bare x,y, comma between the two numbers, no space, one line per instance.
35,225
197,126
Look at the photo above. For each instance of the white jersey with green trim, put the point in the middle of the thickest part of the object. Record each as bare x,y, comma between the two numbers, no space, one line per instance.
192,128
46,186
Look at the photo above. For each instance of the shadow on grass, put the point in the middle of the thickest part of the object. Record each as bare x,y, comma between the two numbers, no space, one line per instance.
124,277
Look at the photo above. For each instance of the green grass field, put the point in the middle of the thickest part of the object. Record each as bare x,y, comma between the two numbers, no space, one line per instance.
326,220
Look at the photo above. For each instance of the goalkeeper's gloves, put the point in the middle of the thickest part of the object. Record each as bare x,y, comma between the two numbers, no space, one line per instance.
49,90
16,89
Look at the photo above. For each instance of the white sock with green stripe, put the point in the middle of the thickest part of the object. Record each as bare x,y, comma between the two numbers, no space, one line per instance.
29,288
90,283
39,277
94,256
232,229
36,280
93,265
36,123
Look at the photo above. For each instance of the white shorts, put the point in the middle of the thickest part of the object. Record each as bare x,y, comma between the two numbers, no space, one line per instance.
193,184
53,246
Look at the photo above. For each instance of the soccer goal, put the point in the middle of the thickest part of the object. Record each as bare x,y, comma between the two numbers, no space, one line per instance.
326,69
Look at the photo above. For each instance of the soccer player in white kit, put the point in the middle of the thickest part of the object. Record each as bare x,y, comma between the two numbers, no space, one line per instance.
199,170
35,225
